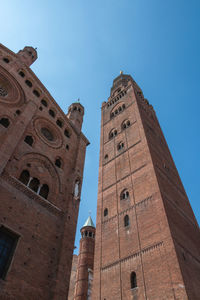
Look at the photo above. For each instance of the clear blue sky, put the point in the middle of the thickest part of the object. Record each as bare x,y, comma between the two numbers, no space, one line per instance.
82,46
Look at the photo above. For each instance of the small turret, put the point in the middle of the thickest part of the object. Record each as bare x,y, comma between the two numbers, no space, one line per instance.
75,114
28,55
84,274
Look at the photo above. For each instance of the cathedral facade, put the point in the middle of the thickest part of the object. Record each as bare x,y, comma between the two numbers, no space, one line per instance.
147,242
42,153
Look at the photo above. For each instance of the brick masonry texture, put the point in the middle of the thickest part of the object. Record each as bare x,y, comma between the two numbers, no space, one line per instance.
73,277
161,244
85,263
41,264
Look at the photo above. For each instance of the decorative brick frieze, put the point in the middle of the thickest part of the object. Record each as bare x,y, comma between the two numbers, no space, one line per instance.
134,255
144,203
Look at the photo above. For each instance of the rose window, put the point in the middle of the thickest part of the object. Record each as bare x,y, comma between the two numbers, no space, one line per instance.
47,134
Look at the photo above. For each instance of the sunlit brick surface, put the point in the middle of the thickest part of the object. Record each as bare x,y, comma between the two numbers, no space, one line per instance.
41,264
161,244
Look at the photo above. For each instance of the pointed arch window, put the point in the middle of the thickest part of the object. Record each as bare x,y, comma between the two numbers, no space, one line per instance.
126,221
133,280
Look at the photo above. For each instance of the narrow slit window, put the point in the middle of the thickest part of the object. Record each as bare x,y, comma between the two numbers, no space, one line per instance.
105,212
58,163
133,280
126,221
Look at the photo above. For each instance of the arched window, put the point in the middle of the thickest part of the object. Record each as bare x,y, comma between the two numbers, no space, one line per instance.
21,73
66,133
18,112
59,123
4,122
36,93
34,184
112,133
6,60
44,191
29,140
126,221
58,163
86,233
52,113
29,83
24,177
126,124
133,280
105,212
44,102
120,146
124,194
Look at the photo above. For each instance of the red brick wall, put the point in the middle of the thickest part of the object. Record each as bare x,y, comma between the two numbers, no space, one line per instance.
85,262
73,277
41,265
148,246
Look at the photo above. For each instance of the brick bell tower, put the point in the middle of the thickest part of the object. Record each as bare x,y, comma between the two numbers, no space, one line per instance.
84,275
42,153
147,238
